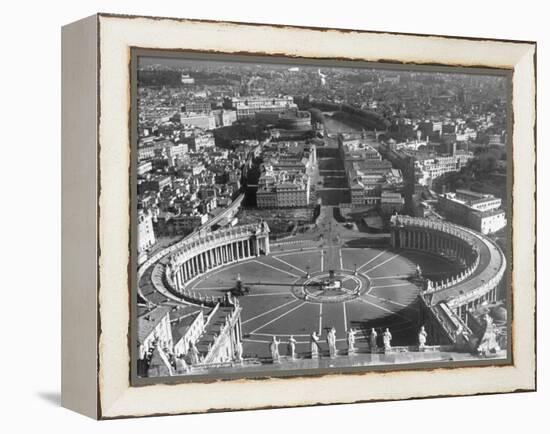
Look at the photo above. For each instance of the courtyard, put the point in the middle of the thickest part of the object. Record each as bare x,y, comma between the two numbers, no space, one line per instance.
376,292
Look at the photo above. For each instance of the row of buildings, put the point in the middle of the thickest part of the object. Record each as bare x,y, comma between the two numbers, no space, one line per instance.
174,340
247,107
447,130
182,182
202,116
371,179
286,172
200,113
424,165
478,211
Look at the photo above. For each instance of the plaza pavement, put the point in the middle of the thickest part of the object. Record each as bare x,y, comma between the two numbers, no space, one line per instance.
272,309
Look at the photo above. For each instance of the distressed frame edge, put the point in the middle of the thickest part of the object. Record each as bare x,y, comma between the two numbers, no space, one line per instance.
316,28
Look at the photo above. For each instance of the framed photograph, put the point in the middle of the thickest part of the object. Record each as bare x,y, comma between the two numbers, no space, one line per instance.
260,216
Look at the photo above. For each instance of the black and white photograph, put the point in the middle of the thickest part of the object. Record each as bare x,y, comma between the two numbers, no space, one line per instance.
246,217
300,217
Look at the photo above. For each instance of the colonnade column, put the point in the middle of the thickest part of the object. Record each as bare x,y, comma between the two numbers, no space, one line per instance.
202,263
183,278
455,247
266,244
177,279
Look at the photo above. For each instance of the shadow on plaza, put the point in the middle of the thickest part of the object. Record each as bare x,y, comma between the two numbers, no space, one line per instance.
374,240
403,325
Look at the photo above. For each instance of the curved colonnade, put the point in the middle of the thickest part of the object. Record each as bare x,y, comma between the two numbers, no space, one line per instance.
203,252
481,262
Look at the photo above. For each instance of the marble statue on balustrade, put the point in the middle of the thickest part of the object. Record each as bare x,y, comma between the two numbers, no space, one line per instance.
229,300
429,285
386,339
331,342
372,339
488,343
418,271
291,347
314,345
181,365
193,353
264,227
422,335
239,351
274,349
351,341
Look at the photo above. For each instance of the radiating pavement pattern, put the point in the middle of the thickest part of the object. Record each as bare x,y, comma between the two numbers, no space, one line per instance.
382,294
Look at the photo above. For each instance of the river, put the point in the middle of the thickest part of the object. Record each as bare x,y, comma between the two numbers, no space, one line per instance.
334,126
